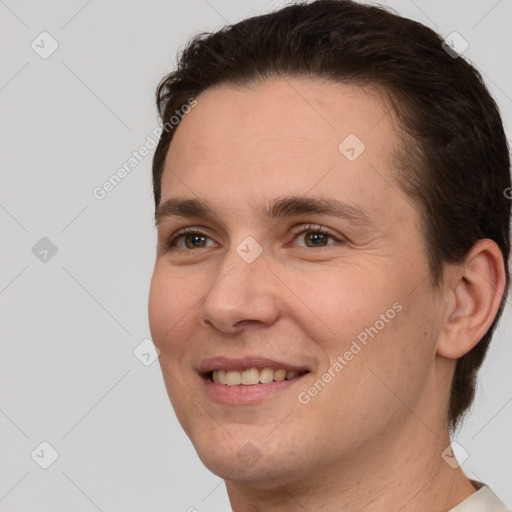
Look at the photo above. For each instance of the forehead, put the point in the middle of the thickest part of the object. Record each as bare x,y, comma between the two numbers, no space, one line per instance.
286,135
314,111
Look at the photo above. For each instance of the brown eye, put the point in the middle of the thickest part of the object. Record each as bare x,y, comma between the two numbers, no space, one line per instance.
192,238
315,236
316,239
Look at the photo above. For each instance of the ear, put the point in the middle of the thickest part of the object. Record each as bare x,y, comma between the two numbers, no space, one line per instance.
475,288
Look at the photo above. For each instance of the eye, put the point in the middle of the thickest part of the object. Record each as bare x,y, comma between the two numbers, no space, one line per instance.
192,238
316,236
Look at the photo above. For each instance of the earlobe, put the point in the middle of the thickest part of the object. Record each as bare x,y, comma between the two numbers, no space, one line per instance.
475,295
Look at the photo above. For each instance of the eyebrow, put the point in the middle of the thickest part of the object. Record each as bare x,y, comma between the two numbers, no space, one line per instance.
284,207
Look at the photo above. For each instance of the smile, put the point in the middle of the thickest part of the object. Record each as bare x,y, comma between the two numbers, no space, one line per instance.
253,376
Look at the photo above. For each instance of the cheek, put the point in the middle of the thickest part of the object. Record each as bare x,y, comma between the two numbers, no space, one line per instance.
170,308
371,313
382,367
347,298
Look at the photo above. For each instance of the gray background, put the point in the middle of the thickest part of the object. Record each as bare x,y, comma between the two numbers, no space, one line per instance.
70,324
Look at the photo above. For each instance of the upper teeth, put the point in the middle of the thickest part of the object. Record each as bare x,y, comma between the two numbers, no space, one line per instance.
252,376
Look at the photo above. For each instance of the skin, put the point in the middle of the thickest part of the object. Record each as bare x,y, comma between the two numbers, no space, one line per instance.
372,438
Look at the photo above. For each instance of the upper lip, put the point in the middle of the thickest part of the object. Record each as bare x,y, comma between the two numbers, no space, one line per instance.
240,364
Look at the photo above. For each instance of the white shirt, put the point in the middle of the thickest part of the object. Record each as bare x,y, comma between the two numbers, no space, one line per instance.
483,500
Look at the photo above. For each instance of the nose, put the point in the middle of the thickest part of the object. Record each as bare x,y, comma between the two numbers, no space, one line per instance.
242,295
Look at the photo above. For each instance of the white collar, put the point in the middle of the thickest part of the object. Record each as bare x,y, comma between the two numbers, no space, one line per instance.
483,500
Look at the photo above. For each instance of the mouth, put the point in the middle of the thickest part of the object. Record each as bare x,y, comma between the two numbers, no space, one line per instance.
251,380
253,376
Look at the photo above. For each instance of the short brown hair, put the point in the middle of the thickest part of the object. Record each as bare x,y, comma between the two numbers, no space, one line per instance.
455,157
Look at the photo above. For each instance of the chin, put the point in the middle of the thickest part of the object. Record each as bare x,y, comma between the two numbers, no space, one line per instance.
253,459
265,473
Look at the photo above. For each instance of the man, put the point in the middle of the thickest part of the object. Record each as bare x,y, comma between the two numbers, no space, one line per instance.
333,235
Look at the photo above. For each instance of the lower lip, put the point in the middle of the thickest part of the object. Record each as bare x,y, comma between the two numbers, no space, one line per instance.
239,395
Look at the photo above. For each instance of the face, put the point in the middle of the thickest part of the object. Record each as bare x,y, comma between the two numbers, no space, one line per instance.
297,251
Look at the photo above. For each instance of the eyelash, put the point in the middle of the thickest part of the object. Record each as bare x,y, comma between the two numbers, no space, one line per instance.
170,244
